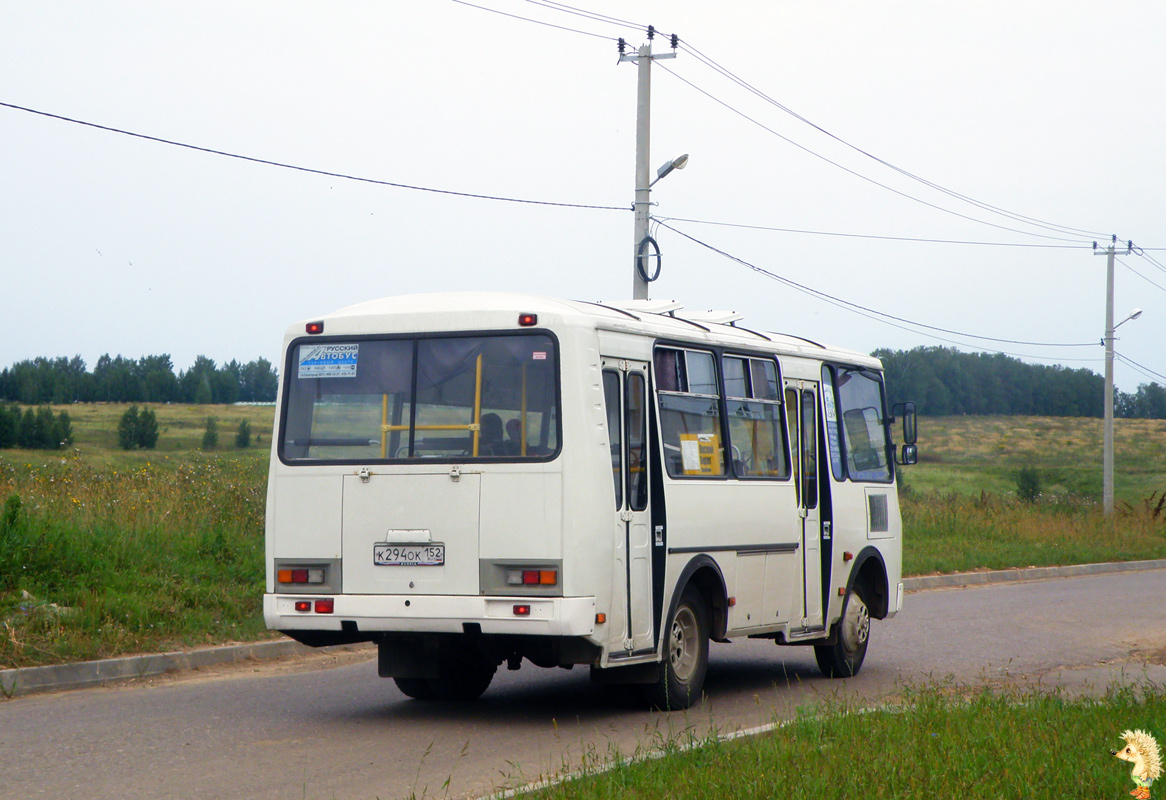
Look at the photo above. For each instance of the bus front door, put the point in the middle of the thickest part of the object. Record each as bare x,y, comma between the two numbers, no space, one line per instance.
802,412
625,390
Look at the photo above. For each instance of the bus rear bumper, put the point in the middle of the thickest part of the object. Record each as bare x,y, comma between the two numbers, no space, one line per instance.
533,616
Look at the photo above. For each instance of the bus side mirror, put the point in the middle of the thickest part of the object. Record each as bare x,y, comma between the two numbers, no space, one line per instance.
910,424
908,455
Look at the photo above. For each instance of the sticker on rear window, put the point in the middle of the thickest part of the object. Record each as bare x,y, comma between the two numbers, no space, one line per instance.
328,361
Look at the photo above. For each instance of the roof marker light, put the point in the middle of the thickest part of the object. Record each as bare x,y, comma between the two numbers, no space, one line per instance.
314,327
527,320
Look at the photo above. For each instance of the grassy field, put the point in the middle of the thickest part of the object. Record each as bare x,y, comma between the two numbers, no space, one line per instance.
934,743
960,506
971,456
105,552
180,429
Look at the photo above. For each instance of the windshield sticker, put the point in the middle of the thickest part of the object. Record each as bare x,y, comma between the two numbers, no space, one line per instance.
328,361
539,355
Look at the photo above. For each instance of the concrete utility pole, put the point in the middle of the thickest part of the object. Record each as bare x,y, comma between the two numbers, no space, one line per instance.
643,58
1107,445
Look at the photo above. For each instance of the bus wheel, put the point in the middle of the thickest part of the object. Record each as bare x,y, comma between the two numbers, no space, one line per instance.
844,657
464,674
417,688
686,655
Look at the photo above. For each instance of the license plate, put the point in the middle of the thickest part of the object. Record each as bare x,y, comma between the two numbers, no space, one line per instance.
408,555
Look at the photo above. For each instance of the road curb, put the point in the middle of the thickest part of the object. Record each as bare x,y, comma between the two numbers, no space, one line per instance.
961,579
86,674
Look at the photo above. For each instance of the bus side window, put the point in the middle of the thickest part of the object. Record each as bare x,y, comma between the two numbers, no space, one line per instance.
754,410
690,413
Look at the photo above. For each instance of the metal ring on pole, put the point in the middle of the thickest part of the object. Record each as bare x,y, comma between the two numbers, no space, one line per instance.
644,243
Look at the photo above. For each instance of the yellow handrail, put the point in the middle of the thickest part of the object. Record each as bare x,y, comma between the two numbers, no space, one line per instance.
384,424
477,426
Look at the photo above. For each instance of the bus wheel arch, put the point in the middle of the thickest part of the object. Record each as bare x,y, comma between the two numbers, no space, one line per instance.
704,573
869,574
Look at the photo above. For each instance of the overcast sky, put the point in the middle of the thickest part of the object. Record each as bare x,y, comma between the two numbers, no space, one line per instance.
1050,111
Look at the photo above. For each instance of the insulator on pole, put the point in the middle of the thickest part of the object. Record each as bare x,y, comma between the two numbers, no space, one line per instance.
675,41
651,32
621,44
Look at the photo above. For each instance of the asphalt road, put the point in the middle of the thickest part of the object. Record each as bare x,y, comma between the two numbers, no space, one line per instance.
329,728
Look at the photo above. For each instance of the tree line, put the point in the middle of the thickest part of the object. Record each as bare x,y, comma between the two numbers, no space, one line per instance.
944,381
150,379
941,380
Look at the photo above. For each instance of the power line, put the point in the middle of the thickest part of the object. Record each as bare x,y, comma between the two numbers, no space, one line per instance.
931,184
855,173
528,19
872,236
1141,251
712,64
1140,275
864,310
592,15
310,170
1144,369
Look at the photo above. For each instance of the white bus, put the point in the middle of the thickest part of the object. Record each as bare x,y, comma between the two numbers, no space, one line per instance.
471,479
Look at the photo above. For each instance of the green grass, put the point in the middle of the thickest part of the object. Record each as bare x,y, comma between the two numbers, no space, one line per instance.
105,552
961,509
975,455
97,562
933,743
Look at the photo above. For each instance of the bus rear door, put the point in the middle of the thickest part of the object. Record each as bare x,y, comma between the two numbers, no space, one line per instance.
625,389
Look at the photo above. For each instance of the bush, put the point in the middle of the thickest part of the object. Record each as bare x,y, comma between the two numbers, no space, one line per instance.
1028,486
210,435
243,435
147,429
137,429
127,429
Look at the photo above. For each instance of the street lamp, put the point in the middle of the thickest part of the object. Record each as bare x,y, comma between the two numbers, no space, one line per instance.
1107,444
680,162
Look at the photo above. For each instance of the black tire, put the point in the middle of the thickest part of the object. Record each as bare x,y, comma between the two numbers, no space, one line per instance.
464,674
417,688
843,658
686,655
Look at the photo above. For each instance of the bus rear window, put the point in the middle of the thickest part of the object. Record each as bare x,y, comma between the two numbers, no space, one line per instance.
450,398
